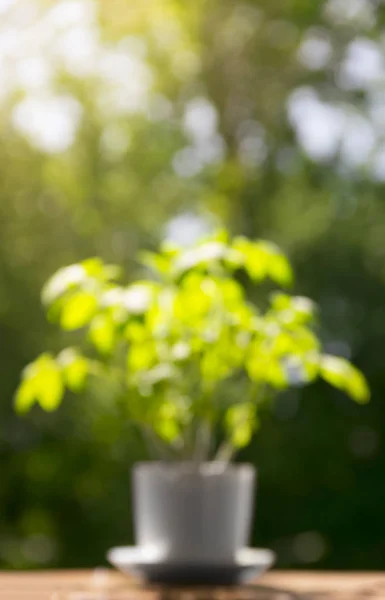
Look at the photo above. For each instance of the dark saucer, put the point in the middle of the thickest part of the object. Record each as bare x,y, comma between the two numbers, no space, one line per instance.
248,564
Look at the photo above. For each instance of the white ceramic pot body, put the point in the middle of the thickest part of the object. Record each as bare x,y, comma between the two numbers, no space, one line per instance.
193,513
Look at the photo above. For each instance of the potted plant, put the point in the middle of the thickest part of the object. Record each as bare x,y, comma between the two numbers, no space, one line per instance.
191,360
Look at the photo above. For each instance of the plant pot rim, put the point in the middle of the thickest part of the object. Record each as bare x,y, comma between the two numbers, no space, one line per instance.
206,468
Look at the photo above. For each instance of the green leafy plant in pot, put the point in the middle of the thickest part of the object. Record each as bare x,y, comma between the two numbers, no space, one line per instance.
191,360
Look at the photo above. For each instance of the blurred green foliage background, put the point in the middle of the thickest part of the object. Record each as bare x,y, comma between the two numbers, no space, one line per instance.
124,122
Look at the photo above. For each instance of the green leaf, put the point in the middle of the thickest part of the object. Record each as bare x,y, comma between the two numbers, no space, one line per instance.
141,356
358,387
94,267
78,310
156,262
102,333
97,269
241,422
195,299
254,258
135,332
279,270
304,306
213,367
49,383
166,424
167,430
138,297
170,249
75,368
112,272
292,311
62,281
340,373
231,291
296,341
162,372
276,375
43,383
219,235
180,351
266,368
311,364
264,259
25,396
280,301
300,370
200,256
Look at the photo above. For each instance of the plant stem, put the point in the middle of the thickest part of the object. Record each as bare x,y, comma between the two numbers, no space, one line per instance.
225,452
188,442
155,446
202,442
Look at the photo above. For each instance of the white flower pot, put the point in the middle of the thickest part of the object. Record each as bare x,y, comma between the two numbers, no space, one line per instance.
193,513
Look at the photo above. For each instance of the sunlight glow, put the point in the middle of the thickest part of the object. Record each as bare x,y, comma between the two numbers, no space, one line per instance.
315,50
35,47
186,229
49,123
318,124
363,66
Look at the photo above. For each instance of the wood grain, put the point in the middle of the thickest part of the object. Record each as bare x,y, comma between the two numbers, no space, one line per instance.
103,584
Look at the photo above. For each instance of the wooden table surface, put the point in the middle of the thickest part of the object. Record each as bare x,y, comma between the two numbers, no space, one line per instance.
103,584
